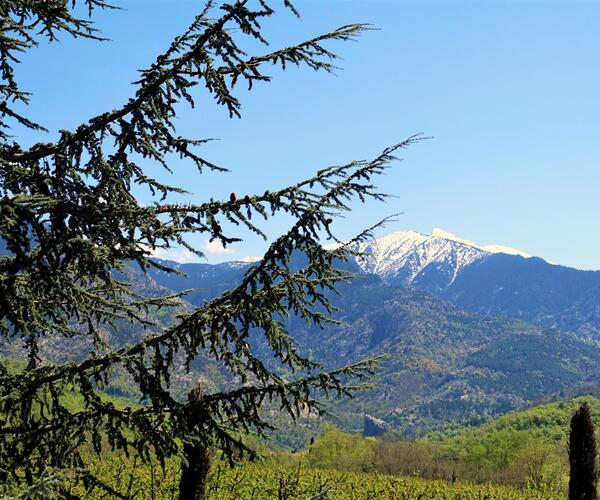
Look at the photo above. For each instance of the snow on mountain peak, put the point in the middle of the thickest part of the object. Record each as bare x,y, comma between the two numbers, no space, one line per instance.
488,248
408,256
250,259
440,233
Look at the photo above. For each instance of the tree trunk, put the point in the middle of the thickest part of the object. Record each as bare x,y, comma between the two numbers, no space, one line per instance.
192,484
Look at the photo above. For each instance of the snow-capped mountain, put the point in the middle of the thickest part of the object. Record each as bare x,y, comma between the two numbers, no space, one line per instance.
435,260
488,279
485,279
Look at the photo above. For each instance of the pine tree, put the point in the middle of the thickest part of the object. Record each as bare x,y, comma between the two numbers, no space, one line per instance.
582,456
71,227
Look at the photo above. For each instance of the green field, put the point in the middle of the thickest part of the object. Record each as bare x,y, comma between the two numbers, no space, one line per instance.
269,480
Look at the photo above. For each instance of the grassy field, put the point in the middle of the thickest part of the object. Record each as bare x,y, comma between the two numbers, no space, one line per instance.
268,480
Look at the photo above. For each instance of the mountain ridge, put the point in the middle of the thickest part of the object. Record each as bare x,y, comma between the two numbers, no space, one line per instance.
447,363
497,283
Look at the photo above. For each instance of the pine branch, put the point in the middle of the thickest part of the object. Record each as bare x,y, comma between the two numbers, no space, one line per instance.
277,251
145,92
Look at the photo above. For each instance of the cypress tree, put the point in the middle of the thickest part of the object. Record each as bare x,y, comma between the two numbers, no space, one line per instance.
582,456
71,226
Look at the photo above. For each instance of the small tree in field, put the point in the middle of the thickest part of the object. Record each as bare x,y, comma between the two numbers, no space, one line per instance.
582,456
70,223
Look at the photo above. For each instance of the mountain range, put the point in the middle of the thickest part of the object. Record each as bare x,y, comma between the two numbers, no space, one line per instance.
490,280
472,331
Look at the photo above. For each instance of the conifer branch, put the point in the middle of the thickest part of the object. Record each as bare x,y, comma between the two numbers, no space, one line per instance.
277,252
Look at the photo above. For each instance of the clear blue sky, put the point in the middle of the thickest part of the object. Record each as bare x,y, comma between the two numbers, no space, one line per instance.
509,90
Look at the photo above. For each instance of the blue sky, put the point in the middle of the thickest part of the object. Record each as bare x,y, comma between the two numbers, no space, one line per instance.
508,90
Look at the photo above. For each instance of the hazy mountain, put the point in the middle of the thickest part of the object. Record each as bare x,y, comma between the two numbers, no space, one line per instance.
205,280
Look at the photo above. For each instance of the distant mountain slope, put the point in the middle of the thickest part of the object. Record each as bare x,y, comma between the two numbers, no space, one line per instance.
206,280
488,279
547,422
448,364
532,290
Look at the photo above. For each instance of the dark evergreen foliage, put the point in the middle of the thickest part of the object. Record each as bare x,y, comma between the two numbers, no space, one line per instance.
69,222
582,456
